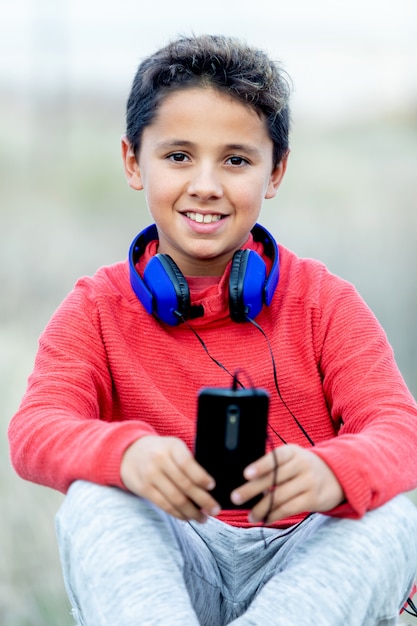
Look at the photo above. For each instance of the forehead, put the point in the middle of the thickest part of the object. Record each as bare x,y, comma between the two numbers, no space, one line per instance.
204,110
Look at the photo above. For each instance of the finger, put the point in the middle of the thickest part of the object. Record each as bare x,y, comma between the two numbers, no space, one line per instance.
261,467
295,506
175,502
284,501
180,486
195,481
265,479
181,492
184,460
274,460
251,489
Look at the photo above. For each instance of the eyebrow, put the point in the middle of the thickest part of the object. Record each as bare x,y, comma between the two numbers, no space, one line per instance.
174,143
243,147
183,143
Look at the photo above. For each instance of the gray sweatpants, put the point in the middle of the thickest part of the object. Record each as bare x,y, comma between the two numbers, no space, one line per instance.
126,563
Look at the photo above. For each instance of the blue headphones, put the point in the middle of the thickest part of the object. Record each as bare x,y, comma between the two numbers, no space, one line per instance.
164,291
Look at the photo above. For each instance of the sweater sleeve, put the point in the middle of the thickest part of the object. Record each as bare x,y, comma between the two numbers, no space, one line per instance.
374,455
65,428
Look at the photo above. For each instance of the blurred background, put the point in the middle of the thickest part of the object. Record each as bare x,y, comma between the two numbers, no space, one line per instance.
349,197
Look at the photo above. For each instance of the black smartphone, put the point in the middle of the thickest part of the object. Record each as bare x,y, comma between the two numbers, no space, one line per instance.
231,434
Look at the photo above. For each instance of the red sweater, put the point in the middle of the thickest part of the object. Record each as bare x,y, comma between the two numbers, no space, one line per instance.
107,373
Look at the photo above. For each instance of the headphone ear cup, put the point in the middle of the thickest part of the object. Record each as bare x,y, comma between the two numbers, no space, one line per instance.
236,280
170,291
179,282
246,285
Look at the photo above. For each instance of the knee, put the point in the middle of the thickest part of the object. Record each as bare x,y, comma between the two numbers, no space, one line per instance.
399,525
94,509
386,539
82,500
397,522
82,505
392,525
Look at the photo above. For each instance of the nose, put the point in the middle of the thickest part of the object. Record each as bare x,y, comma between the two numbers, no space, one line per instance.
205,183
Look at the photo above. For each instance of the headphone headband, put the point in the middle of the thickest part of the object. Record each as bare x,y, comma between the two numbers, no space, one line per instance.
163,293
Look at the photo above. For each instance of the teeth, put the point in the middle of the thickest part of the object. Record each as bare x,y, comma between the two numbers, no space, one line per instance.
200,218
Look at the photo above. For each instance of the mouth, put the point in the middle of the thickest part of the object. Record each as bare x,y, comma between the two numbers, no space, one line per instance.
200,218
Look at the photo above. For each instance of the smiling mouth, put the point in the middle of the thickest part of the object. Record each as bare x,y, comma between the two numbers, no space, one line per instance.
208,218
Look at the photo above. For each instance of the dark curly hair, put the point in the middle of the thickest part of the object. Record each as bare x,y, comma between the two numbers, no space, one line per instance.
225,63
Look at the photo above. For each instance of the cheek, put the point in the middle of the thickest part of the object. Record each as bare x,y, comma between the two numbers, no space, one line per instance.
157,195
250,197
165,188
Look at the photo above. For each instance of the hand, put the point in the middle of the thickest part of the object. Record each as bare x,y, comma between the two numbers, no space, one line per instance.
163,470
303,483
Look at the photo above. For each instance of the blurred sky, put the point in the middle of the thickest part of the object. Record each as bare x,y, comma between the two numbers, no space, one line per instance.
345,58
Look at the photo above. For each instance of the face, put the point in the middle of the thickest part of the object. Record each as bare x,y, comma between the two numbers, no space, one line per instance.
205,165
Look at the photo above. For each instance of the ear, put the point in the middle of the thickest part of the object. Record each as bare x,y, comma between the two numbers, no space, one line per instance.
276,177
131,166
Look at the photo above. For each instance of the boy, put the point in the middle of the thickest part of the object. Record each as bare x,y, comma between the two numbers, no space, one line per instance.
109,413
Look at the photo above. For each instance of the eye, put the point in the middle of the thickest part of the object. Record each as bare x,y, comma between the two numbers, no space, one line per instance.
177,157
237,161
